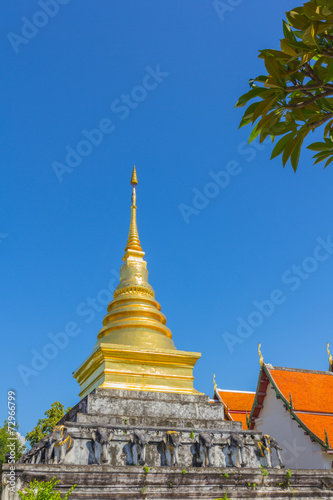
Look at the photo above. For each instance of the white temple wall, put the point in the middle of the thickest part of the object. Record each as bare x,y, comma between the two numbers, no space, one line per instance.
298,451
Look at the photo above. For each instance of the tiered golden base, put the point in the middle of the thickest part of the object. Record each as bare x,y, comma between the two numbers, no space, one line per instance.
116,366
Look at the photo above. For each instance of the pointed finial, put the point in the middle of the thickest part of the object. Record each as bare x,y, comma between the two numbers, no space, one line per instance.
134,179
214,382
261,359
248,421
133,242
330,359
290,401
326,439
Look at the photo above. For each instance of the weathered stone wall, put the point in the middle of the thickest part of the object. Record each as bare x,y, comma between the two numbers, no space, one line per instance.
166,483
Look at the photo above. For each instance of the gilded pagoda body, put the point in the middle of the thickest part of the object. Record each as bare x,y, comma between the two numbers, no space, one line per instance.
134,348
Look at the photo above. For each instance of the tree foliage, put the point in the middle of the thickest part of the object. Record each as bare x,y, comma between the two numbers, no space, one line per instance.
8,437
294,97
45,425
44,490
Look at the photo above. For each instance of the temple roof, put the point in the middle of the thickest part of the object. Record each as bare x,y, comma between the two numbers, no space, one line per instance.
307,396
237,404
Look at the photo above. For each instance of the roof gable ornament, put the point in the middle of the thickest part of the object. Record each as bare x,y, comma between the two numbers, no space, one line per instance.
291,406
214,382
248,419
327,443
330,359
261,359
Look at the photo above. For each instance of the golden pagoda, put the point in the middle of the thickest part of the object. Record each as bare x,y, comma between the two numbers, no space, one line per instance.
134,348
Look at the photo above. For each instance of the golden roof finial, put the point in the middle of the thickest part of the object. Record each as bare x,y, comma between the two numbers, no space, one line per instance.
330,359
134,179
133,242
261,359
214,382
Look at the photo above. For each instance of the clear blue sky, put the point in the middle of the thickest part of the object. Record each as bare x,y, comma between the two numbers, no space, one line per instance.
179,69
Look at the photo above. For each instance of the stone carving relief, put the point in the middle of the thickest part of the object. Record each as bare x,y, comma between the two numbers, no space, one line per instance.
37,454
101,439
201,451
168,448
136,448
264,450
59,444
235,450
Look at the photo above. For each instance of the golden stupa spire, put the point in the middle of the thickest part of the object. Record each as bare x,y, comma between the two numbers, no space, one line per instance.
134,348
133,241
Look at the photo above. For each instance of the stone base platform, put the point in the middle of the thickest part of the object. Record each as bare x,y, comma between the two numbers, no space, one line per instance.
169,483
136,406
98,443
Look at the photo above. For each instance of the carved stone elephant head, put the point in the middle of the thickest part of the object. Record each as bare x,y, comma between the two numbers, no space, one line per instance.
101,439
170,446
139,440
59,444
236,450
201,450
136,448
264,450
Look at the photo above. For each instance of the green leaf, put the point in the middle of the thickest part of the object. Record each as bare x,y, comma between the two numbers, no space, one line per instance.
282,128
266,125
294,157
255,132
326,104
273,67
295,20
329,161
263,107
328,142
281,144
288,150
255,92
323,156
248,114
318,146
309,37
310,12
260,78
287,31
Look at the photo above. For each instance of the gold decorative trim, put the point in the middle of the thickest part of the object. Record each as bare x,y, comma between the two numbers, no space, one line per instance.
133,289
64,441
262,447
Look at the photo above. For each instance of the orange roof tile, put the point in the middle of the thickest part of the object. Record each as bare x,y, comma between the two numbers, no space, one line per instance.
237,403
317,424
310,391
235,400
239,417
